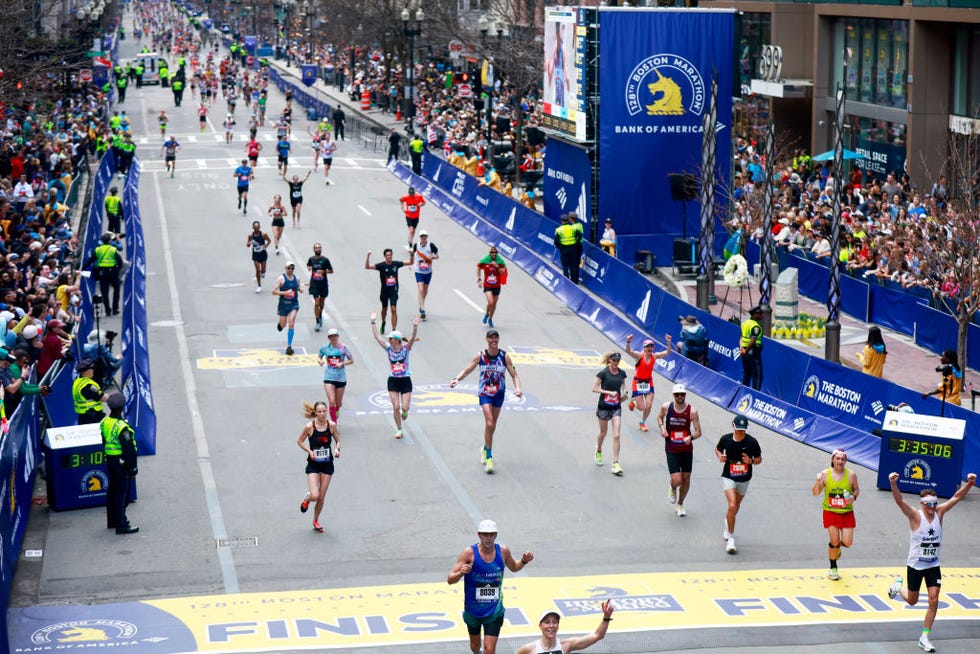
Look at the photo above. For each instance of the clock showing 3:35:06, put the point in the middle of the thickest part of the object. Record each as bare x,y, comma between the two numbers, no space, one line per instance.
920,448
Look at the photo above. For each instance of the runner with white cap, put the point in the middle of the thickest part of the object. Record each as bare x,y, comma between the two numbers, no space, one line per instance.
481,567
399,375
549,643
425,252
335,357
680,426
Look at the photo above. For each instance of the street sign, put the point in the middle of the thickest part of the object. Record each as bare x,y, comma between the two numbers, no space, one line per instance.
455,49
85,75
464,91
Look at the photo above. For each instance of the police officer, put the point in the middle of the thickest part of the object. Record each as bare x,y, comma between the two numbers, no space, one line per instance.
121,82
107,261
750,348
164,76
119,442
113,210
415,147
138,72
567,239
178,89
127,150
86,394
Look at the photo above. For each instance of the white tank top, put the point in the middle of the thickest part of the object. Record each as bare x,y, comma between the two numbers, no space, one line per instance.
539,648
924,543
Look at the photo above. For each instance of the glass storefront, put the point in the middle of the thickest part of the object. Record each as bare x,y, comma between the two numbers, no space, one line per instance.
966,72
880,142
875,53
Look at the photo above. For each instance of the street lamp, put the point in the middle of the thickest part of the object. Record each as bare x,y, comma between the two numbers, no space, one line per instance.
309,12
410,33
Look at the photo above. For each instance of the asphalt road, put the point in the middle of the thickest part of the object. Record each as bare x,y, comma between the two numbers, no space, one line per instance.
399,511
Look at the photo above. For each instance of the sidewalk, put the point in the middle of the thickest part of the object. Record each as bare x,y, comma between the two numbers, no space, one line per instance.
907,365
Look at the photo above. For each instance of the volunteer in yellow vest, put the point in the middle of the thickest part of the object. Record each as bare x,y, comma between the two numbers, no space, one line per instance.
113,210
178,88
138,71
121,82
840,490
567,238
119,442
164,75
415,147
750,348
86,394
107,262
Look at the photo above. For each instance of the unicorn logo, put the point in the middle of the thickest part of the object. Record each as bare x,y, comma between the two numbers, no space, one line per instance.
667,97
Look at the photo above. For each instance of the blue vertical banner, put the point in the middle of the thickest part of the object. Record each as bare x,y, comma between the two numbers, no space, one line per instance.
567,181
655,67
309,74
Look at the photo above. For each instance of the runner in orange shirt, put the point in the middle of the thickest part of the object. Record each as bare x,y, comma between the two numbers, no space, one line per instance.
642,397
412,206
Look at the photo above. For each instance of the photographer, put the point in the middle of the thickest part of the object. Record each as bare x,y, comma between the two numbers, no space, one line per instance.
951,385
106,365
693,342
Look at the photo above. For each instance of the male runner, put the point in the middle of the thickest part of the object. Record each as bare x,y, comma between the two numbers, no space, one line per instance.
319,267
258,241
738,452
388,270
169,153
244,175
412,206
424,253
680,426
839,487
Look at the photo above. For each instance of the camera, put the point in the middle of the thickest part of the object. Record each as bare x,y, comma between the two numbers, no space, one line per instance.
110,336
946,369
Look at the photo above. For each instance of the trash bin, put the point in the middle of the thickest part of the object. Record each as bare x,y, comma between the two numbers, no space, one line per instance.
311,113
644,261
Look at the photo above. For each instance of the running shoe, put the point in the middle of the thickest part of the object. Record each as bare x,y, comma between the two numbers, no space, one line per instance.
598,458
382,326
681,511
632,405
643,427
672,495
490,322
730,545
305,504
617,469
725,535
483,455
239,203
400,433
278,327
925,644
258,289
895,589
289,350
404,415
244,211
422,313
277,250
833,575
318,325
488,466
486,317
316,527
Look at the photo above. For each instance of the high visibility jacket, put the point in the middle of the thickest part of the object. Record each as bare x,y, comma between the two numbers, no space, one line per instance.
749,328
112,429
566,235
83,404
105,256
113,204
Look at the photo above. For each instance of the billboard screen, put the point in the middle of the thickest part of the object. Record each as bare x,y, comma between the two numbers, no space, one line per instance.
563,105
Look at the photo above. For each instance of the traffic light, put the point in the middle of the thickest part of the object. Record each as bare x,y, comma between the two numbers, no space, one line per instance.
462,78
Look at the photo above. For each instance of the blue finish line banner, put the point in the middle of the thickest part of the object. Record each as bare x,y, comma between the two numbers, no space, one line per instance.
655,72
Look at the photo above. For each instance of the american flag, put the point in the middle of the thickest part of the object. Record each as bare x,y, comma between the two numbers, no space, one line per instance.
431,135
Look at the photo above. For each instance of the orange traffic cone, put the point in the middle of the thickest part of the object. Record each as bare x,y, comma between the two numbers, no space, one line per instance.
398,114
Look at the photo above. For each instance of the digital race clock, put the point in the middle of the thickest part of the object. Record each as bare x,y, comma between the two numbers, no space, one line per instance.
926,452
920,447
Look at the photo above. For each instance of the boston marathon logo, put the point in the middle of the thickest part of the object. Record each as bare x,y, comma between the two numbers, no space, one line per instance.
918,473
621,599
113,633
665,85
759,410
833,395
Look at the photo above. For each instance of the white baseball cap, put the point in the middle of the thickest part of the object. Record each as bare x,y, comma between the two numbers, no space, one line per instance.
487,527
679,388
333,331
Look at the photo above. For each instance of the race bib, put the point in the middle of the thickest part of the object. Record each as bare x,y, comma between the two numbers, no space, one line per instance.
678,437
487,593
289,295
491,389
837,502
610,398
243,179
491,280
391,280
296,194
424,265
928,552
258,247
317,274
335,362
411,208
398,368
321,454
643,387
739,469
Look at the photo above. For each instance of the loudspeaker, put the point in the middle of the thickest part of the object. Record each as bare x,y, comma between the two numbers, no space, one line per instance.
685,250
683,187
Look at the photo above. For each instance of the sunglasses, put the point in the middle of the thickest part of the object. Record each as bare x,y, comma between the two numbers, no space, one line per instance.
930,503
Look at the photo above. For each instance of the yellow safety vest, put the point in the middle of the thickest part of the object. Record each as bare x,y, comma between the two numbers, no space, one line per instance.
105,256
112,204
748,327
111,429
566,234
416,145
83,404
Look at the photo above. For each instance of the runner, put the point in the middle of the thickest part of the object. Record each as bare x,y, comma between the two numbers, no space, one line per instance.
252,148
492,390
319,267
169,153
412,206
549,643
334,357
491,274
925,542
163,120
244,175
680,426
738,452
282,150
288,289
481,567
202,117
645,360
315,440
839,487
316,145
327,150
423,254
278,214
610,385
399,373
388,270
229,125
296,195
258,242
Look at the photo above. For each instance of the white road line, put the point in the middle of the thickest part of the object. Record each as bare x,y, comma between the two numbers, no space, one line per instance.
352,162
366,212
218,530
476,307
191,138
201,163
